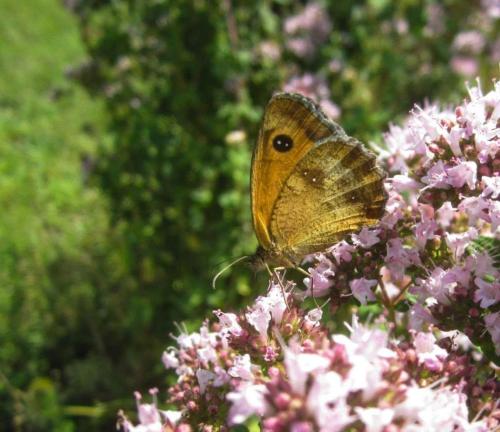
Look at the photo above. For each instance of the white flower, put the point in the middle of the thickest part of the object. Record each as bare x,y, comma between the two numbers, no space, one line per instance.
229,323
300,365
458,242
491,186
426,409
314,316
487,293
366,237
327,404
361,289
204,377
259,317
428,352
375,419
445,214
169,359
242,368
249,399
492,322
464,172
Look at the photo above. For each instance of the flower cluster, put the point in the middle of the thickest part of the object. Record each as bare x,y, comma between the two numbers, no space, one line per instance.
443,204
277,362
470,45
429,265
316,88
307,30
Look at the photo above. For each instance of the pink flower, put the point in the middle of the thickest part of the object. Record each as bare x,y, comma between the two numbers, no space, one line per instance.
494,209
427,409
169,359
248,400
428,353
419,316
475,208
491,8
259,317
393,209
312,86
301,426
488,293
148,413
458,242
320,281
482,265
399,148
366,237
492,322
425,229
276,302
435,287
470,41
375,419
465,172
331,109
314,316
435,19
312,24
437,176
491,186
464,65
269,50
229,323
300,365
371,344
428,121
457,274
149,416
206,354
398,258
327,404
242,368
445,214
453,138
342,251
403,183
361,289
301,46
204,377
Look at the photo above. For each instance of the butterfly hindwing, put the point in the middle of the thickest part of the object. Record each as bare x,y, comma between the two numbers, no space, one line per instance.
336,188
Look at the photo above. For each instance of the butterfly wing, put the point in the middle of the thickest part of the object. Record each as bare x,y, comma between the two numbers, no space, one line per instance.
289,115
336,188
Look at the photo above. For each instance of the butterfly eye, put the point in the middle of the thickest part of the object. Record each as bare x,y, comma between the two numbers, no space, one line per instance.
282,143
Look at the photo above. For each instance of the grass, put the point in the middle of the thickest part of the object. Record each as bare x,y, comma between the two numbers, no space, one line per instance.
50,214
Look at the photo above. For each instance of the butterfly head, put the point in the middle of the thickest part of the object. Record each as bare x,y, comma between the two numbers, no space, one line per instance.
263,258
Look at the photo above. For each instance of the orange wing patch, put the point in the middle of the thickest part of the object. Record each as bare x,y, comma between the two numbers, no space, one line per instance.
287,116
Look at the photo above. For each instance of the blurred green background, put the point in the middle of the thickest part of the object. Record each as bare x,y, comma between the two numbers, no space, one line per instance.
126,130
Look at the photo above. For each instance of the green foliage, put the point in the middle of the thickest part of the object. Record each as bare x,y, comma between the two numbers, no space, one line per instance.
68,310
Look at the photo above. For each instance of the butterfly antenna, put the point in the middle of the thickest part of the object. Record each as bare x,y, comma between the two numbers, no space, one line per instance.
214,280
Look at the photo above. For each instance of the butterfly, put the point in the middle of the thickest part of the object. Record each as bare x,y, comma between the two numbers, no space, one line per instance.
311,183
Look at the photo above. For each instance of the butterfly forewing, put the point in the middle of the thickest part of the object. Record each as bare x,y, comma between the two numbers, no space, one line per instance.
336,188
287,116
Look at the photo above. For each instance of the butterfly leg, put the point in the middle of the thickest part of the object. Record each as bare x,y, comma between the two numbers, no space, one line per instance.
274,273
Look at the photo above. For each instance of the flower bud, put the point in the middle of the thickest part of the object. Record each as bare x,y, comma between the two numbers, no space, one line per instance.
282,400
